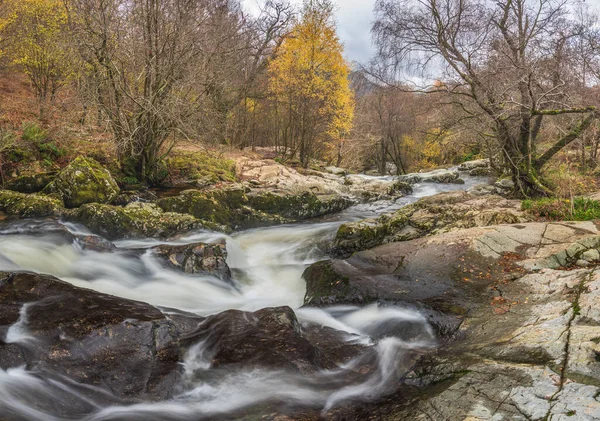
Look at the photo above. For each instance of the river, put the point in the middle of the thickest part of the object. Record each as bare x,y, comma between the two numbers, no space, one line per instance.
267,266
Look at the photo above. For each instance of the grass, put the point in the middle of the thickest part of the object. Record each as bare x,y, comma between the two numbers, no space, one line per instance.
580,209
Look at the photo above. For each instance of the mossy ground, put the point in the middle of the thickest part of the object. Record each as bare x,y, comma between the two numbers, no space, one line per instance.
205,167
580,209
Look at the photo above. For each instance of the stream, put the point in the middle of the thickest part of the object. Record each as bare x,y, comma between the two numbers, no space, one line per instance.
267,266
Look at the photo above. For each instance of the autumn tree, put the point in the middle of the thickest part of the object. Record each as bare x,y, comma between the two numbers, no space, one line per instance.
35,31
309,82
502,61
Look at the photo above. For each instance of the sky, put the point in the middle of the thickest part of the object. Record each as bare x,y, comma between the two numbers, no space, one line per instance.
354,18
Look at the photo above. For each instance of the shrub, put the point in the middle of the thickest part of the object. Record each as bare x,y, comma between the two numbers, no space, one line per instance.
33,133
580,209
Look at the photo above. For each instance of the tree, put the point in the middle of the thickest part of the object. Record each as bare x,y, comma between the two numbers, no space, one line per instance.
503,61
36,34
309,81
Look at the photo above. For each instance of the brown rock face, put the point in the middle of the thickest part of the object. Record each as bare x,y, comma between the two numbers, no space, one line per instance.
196,258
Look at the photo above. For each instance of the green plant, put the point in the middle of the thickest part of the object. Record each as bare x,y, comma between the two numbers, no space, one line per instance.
33,133
580,209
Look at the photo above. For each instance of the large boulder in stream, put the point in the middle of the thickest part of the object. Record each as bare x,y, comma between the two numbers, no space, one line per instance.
235,208
196,258
525,336
430,215
127,347
84,181
134,220
270,338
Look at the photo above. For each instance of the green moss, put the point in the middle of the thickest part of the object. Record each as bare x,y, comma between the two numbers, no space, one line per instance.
29,205
134,220
30,183
84,181
200,166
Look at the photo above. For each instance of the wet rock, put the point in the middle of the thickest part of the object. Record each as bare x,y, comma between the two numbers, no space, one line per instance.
134,220
430,215
268,338
29,205
90,337
84,181
435,176
30,183
472,165
95,243
527,344
196,258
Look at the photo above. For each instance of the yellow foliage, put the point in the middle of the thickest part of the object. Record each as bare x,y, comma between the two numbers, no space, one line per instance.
309,76
35,30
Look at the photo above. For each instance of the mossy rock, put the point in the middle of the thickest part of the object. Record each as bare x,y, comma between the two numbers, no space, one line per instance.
134,220
226,207
84,181
298,206
400,187
29,205
430,215
30,183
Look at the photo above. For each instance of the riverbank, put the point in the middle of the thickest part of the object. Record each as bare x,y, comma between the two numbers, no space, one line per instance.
165,319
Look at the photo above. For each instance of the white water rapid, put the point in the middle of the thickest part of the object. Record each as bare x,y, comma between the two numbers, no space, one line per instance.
267,266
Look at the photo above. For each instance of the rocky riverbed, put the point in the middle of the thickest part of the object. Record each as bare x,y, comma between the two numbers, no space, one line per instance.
217,304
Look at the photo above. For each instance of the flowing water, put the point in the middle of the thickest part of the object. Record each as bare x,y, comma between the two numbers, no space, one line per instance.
267,265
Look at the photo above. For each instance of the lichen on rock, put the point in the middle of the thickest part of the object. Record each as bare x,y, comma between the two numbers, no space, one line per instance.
134,220
29,205
430,215
84,181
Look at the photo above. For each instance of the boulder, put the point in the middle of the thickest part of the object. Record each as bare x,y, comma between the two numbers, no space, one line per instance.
90,337
235,209
196,258
134,220
472,165
227,207
84,181
505,184
430,215
480,172
435,176
269,338
299,206
29,205
30,183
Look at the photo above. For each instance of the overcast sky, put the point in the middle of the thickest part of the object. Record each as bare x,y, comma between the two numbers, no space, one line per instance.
353,18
